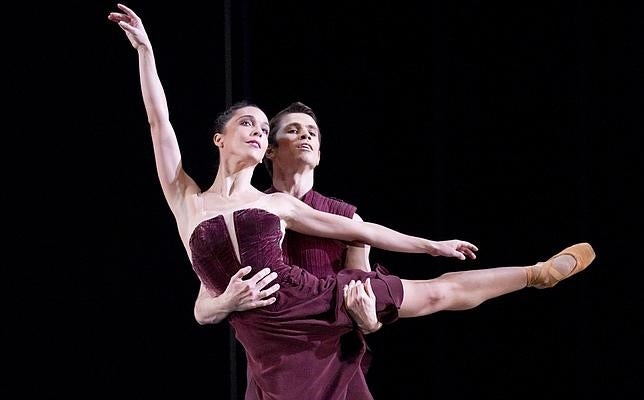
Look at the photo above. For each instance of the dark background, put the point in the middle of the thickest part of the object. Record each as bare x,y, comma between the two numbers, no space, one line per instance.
514,126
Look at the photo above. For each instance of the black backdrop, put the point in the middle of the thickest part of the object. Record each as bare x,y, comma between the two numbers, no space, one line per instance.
514,126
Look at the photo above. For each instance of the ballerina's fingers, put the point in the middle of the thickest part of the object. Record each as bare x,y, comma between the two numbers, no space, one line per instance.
127,10
468,249
117,17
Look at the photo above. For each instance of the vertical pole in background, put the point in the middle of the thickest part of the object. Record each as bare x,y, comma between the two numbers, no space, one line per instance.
228,70
232,342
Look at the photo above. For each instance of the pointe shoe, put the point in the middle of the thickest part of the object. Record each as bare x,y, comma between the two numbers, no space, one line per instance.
545,275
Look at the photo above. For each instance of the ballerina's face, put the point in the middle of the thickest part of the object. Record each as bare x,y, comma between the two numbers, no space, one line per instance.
245,134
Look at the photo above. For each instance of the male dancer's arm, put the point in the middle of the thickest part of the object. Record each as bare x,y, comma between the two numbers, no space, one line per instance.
359,299
357,254
239,295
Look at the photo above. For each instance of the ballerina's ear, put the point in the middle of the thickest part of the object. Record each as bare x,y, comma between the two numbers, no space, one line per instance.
218,140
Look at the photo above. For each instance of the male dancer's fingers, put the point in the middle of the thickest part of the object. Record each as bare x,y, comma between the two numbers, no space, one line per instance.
263,277
355,292
361,290
349,293
346,296
267,279
261,303
259,275
352,290
241,273
262,299
269,291
368,289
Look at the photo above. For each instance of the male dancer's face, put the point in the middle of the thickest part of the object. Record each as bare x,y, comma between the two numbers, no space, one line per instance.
298,142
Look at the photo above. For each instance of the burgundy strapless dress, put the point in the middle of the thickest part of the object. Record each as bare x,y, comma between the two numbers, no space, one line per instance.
307,317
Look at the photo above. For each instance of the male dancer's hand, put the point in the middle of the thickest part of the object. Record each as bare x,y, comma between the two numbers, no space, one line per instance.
360,302
239,295
242,295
